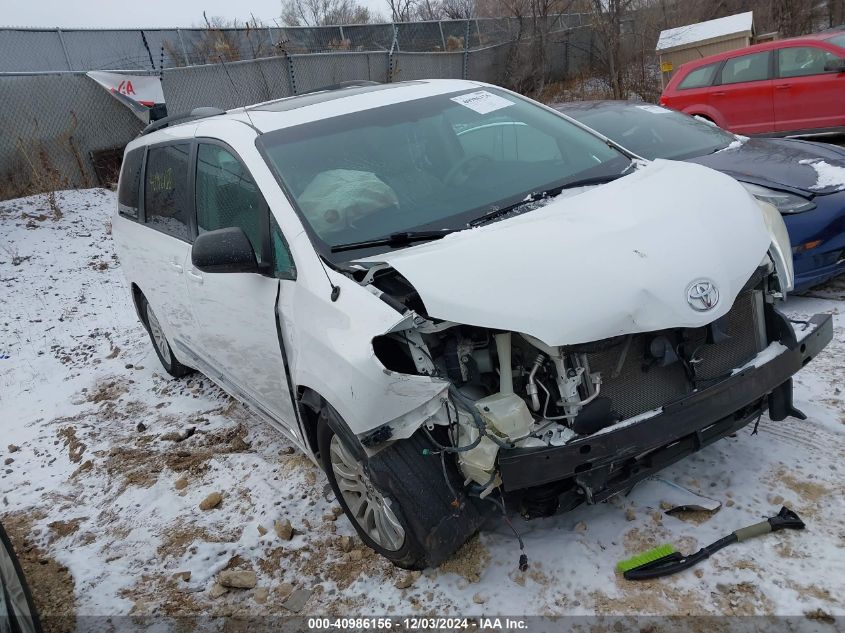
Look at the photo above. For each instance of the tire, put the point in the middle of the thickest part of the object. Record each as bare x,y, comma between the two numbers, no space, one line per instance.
413,489
160,343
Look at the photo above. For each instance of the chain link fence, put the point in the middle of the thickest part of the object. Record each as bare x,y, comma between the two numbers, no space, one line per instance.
63,130
29,50
54,127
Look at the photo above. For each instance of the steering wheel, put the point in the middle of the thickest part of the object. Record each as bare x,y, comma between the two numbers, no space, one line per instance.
460,172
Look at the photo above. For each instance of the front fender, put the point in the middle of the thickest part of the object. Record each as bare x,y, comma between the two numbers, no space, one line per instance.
330,351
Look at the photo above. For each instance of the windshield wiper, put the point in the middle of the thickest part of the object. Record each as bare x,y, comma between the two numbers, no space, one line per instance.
534,196
395,239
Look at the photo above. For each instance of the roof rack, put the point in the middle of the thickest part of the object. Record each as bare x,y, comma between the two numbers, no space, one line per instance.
174,119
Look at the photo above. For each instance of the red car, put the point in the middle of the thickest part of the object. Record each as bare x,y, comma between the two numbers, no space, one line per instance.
786,86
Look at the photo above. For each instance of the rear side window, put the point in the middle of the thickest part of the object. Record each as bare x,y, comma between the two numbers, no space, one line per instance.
166,189
800,61
699,78
130,183
746,68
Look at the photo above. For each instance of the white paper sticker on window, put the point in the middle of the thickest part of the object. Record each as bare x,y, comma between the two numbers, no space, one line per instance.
653,109
482,101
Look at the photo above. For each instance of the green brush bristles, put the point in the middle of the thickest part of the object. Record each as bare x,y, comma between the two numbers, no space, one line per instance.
645,557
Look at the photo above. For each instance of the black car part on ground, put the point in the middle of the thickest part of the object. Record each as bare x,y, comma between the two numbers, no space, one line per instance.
594,468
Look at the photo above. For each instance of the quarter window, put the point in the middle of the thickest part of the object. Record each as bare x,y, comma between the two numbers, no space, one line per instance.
800,61
746,68
228,196
130,183
699,78
166,189
283,266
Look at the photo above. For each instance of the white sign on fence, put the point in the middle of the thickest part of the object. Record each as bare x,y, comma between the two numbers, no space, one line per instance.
139,93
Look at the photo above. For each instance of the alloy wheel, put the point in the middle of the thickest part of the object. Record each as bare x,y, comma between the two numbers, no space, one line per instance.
158,335
367,505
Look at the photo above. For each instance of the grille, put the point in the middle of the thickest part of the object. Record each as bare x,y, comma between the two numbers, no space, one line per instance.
639,386
742,325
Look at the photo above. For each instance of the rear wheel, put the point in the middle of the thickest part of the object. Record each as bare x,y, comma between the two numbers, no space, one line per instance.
399,500
162,347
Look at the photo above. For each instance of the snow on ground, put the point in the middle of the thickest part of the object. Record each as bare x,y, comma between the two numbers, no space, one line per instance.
106,460
827,175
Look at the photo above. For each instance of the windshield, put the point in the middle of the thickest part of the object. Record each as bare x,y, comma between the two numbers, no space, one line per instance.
428,164
654,132
838,40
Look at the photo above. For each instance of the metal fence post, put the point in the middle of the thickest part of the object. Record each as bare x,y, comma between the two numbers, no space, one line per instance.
393,46
182,44
291,74
466,51
64,49
442,39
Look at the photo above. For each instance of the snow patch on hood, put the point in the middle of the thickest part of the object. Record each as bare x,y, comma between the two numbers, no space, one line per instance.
616,259
738,142
827,175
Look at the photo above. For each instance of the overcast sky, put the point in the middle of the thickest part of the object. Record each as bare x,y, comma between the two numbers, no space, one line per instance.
137,14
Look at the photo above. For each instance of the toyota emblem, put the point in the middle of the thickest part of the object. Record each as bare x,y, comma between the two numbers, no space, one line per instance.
702,295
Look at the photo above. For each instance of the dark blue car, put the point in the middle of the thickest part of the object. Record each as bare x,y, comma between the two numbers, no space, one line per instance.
804,180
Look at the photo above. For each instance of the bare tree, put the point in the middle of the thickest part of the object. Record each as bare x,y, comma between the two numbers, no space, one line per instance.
606,19
529,66
325,12
836,12
794,17
401,10
459,9
429,10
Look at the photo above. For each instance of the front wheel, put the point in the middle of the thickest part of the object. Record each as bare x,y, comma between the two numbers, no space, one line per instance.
399,500
371,512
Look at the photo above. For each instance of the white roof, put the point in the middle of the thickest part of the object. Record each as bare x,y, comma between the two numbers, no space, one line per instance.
266,121
738,24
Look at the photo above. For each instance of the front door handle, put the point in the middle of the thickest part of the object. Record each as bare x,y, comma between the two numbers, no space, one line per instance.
783,87
719,93
176,267
195,276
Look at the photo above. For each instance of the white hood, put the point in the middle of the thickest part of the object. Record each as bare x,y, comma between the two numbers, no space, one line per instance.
616,259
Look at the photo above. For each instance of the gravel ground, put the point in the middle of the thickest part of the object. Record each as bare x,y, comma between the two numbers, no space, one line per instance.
108,462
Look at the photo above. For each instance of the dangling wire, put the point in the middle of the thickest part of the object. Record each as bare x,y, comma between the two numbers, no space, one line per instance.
523,557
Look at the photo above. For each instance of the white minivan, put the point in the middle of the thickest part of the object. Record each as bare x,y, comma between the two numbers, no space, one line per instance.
457,300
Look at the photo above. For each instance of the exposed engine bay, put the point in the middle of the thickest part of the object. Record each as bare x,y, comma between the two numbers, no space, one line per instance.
510,390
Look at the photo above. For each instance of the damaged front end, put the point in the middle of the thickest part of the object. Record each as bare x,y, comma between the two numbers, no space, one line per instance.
557,425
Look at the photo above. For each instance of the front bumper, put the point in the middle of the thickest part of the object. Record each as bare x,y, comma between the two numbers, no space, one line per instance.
606,463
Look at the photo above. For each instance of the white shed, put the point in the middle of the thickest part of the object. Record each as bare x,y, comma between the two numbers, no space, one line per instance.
694,41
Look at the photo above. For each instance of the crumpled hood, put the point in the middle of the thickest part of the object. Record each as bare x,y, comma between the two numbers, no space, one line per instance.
616,259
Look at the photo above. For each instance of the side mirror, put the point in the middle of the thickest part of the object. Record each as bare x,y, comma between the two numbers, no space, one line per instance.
835,66
224,251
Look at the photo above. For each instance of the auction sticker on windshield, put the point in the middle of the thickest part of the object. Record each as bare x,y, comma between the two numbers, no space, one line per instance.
482,101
